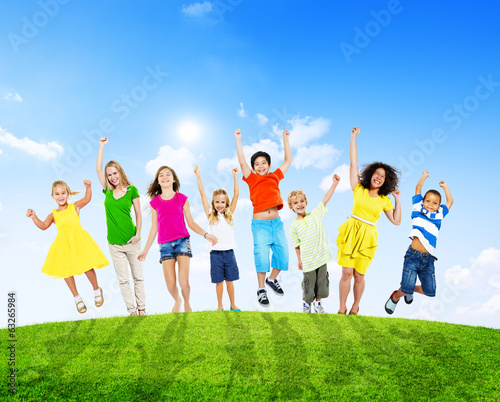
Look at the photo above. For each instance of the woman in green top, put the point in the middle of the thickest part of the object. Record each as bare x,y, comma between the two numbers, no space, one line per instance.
123,236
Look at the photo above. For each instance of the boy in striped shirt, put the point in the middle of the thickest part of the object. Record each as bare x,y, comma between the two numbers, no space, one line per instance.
307,235
426,217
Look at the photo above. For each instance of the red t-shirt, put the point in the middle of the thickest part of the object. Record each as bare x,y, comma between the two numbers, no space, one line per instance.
264,190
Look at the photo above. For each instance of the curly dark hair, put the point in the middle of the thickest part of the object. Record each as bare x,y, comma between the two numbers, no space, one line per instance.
391,177
260,153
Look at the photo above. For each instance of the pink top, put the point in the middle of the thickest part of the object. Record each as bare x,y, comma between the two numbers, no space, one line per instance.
171,224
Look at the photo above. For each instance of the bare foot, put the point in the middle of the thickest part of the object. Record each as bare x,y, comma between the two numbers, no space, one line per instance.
187,308
142,312
220,308
134,313
177,306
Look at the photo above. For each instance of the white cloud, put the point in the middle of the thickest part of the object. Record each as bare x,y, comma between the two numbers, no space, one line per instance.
263,120
272,148
488,308
13,97
244,205
181,160
483,271
318,156
344,184
1,152
197,9
306,129
42,151
242,112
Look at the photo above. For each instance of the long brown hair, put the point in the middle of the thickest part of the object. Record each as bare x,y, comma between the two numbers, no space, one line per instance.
226,212
124,181
154,188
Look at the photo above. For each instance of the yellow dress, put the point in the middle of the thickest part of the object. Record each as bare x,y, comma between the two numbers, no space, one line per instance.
73,251
357,240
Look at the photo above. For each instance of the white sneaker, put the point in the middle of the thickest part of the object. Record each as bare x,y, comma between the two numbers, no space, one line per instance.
306,307
318,308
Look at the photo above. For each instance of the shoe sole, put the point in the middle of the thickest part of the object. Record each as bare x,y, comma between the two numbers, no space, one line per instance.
276,293
264,305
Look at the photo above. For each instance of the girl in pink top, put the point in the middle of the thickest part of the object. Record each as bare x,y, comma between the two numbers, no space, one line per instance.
169,208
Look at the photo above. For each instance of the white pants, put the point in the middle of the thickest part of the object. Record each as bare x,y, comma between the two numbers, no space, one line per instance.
124,255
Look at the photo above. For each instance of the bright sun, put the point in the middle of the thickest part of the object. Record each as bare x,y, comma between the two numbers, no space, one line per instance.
189,130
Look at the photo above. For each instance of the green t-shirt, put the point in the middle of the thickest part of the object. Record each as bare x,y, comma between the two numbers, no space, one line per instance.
119,222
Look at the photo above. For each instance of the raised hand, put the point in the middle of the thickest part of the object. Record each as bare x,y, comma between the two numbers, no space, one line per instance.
443,184
336,178
425,173
103,141
286,133
30,213
355,131
87,183
237,133
235,171
396,194
196,170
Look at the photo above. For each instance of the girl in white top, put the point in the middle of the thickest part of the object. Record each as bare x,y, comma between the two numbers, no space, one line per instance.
223,266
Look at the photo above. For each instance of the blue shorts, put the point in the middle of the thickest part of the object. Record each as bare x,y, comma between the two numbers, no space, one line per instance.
223,266
269,235
175,248
421,265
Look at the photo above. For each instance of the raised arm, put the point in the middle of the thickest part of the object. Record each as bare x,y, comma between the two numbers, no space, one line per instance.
245,169
449,198
236,194
204,201
195,227
101,175
394,215
88,195
331,190
136,202
152,234
39,224
353,155
288,152
420,184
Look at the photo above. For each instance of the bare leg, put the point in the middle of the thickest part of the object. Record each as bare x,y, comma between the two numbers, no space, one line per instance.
358,289
418,289
72,285
92,277
274,274
345,287
219,287
170,280
261,277
399,294
230,293
183,264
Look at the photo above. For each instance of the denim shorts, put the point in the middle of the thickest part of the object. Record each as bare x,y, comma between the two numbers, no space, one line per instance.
223,266
269,236
421,265
175,248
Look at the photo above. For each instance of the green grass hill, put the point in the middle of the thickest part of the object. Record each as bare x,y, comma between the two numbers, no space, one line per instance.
253,356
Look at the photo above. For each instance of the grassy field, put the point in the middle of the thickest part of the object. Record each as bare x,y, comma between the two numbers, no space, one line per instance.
254,356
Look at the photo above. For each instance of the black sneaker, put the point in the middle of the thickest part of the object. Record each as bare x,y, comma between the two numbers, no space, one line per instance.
275,286
262,298
408,299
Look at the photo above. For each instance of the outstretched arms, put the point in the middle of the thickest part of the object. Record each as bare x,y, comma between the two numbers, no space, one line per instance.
288,152
236,194
245,169
101,175
449,198
331,190
206,205
353,155
39,224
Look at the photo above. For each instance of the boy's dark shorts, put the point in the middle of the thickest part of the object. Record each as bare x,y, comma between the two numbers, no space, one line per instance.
316,284
223,266
421,265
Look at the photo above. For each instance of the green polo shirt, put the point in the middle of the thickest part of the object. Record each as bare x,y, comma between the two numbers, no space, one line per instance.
119,222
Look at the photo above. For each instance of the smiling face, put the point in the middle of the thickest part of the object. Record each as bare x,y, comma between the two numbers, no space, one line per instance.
113,176
378,178
166,178
431,202
298,204
219,202
261,166
60,195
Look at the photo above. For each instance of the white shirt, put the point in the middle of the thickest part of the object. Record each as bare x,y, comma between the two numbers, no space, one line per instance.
224,233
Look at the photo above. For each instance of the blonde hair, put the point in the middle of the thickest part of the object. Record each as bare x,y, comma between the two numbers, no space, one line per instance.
124,181
295,193
226,213
62,183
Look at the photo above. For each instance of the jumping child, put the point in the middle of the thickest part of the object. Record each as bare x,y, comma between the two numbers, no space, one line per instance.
426,217
223,266
73,251
169,210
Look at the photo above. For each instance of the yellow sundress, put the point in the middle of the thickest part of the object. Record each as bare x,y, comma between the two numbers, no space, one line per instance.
357,240
73,251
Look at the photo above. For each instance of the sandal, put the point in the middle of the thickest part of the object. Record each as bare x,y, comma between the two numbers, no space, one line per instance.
354,313
99,299
342,313
142,312
81,307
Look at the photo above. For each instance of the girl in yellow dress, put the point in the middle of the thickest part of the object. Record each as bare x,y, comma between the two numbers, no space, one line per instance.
73,251
358,239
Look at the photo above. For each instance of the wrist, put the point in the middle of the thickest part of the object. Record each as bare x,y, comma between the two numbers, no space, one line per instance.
205,235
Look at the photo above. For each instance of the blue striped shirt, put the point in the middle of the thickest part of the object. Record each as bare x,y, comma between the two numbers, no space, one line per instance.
426,224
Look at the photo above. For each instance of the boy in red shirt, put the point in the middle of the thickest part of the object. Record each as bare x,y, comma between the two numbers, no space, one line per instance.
267,227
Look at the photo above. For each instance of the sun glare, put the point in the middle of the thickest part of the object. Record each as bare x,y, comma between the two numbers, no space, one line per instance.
189,130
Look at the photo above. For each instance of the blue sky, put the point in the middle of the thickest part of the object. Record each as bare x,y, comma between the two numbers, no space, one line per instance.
421,79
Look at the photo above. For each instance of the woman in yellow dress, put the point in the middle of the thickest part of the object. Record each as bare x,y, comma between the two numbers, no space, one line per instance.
358,239
73,251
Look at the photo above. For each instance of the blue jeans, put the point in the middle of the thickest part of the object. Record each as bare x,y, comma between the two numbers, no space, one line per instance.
421,265
175,248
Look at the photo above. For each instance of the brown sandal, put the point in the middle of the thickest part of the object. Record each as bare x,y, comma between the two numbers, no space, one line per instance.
342,313
354,313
